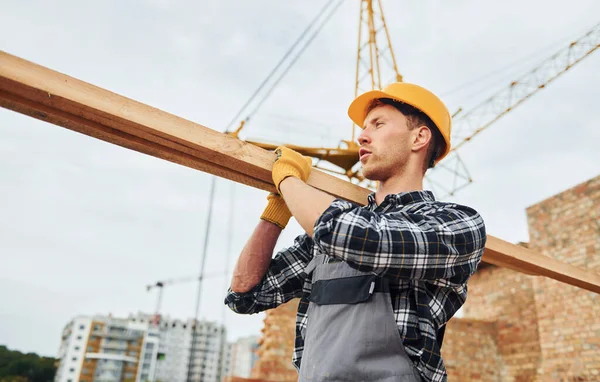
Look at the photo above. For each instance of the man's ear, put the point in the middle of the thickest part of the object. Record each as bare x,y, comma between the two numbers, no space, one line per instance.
422,135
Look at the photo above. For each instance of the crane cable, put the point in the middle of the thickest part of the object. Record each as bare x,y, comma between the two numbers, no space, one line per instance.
287,54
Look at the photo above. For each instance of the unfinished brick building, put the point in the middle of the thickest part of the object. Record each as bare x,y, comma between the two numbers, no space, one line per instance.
515,327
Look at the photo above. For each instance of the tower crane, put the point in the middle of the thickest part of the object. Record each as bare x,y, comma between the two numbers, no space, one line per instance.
376,67
467,125
180,280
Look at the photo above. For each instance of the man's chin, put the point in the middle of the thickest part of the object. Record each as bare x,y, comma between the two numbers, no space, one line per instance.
371,175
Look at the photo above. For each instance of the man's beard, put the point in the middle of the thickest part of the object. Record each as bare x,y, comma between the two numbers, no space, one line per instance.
380,172
373,172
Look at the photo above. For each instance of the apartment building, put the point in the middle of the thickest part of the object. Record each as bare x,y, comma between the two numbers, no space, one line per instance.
226,359
173,349
107,349
142,348
243,357
209,361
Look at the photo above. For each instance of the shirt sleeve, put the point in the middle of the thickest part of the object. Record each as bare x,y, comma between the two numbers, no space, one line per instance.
283,281
445,242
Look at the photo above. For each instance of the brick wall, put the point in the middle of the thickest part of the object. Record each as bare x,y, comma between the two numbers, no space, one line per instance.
507,298
567,228
474,343
546,330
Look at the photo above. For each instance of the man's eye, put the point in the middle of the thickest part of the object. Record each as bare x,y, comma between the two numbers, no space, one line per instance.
379,124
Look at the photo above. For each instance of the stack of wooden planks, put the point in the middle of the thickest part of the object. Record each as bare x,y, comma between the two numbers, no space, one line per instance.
42,93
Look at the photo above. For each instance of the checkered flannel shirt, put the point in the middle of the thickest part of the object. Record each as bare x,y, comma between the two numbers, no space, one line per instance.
426,248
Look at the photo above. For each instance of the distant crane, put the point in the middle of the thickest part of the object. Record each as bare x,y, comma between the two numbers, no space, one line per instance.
180,280
470,123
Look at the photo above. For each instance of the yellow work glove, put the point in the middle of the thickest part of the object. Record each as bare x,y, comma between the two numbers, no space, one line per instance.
290,163
276,211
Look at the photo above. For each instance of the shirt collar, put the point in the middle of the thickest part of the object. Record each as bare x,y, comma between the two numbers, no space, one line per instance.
403,198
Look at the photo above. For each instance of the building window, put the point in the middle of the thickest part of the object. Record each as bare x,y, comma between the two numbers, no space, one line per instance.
71,370
81,327
76,348
79,337
74,359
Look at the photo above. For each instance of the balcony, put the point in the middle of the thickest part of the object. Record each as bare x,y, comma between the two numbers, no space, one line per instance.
113,357
117,335
114,345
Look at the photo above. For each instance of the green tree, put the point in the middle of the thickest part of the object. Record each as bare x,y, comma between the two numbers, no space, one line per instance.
25,367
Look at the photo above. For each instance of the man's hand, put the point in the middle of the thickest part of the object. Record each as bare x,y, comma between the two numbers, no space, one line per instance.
290,163
276,211
290,172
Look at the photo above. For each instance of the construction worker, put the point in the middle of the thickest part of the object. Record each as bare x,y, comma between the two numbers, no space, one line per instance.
376,283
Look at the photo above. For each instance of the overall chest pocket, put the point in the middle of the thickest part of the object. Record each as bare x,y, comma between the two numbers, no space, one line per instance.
346,290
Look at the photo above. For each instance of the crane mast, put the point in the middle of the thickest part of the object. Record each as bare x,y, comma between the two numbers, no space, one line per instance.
376,64
372,57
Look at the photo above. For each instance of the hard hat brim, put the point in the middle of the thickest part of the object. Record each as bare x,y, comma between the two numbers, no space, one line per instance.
356,110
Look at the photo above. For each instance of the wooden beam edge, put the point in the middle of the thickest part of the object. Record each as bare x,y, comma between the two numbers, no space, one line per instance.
515,257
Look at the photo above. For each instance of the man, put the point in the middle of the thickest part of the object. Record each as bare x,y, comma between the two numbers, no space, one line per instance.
376,282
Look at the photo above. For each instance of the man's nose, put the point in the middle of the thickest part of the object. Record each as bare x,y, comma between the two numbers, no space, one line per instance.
363,138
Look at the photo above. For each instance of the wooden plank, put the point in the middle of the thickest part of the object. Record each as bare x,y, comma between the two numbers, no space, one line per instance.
65,101
179,155
521,259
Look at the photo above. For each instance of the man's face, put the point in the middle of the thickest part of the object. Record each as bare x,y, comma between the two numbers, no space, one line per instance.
385,143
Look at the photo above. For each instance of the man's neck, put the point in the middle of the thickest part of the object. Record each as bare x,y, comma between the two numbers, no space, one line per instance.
395,185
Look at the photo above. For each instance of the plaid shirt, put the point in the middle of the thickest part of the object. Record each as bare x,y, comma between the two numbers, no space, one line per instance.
427,249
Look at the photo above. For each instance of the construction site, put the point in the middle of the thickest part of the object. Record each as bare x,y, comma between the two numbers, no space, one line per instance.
137,161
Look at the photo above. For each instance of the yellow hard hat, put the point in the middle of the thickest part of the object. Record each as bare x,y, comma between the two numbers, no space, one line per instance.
413,95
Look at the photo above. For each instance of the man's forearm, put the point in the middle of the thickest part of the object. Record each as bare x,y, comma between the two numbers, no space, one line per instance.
255,258
305,202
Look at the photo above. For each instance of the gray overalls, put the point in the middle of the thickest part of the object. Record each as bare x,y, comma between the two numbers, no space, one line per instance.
351,333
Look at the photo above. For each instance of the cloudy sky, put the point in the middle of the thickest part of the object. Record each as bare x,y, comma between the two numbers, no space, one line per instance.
85,225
